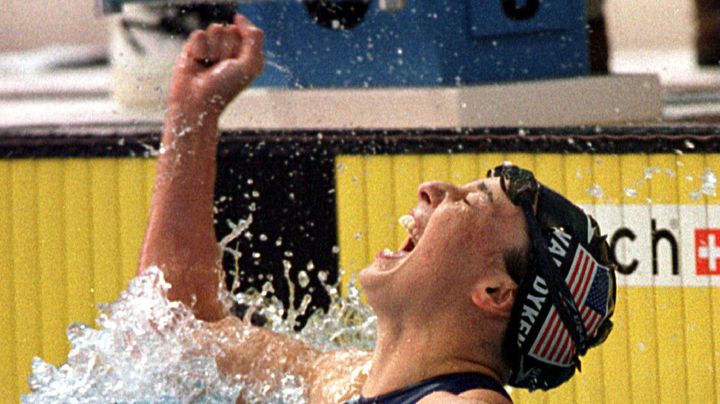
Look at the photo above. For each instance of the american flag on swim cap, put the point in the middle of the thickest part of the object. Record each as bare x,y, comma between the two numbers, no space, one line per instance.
589,283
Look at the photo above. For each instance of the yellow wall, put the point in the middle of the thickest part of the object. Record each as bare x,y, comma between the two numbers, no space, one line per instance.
667,327
70,231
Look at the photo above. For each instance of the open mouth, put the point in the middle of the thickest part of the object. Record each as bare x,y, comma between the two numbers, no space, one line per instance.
408,245
408,222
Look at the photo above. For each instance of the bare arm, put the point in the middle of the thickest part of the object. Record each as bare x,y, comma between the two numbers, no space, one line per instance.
257,355
215,65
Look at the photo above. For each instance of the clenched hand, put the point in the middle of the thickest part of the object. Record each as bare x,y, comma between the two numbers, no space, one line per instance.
216,64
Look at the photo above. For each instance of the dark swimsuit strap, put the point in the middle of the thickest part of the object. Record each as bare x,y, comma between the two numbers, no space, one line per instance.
455,383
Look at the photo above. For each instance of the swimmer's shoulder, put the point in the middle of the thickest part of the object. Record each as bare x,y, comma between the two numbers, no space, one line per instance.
338,375
481,396
486,396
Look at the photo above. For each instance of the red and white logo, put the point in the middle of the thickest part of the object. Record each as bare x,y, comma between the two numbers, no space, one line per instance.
707,251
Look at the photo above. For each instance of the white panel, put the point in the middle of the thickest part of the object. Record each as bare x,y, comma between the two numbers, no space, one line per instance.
637,219
680,221
610,218
692,217
668,223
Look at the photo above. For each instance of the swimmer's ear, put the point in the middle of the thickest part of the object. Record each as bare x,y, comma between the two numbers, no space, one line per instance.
495,298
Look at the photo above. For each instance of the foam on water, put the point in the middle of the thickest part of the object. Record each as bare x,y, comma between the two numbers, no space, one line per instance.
151,350
146,349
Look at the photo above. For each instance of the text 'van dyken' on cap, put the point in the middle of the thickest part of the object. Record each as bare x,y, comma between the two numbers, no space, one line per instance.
564,303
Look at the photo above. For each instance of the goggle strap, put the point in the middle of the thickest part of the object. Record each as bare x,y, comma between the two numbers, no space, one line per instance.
560,294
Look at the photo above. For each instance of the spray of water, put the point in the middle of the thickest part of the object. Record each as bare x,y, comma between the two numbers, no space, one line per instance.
145,349
148,349
708,186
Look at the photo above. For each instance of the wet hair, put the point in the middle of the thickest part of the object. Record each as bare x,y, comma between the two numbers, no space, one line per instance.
518,261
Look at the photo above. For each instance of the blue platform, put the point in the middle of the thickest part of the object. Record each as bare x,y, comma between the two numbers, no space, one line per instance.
428,43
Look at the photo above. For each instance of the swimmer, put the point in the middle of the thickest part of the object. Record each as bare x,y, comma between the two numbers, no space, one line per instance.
500,281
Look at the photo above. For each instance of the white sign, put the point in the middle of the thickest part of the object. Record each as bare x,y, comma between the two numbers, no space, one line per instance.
662,245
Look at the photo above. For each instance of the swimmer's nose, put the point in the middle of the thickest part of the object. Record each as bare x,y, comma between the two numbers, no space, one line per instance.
435,192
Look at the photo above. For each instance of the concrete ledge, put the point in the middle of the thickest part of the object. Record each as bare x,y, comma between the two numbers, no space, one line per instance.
617,99
578,101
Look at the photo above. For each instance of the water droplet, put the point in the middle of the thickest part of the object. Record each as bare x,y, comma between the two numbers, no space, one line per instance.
595,191
303,279
709,184
650,172
630,192
267,288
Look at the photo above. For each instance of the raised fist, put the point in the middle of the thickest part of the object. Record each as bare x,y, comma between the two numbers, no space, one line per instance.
216,64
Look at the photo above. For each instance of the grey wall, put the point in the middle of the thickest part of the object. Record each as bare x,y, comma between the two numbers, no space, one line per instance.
26,24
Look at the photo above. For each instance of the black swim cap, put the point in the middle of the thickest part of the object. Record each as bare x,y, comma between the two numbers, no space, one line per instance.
564,303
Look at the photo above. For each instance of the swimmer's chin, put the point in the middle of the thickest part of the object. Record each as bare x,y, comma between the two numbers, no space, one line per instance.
382,266
379,280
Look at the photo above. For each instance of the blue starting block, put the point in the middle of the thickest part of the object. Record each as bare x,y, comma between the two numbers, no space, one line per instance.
424,43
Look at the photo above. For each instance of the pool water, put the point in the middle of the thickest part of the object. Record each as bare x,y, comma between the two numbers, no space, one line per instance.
147,349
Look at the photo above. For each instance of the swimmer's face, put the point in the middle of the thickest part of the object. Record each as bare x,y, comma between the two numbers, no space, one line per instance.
460,234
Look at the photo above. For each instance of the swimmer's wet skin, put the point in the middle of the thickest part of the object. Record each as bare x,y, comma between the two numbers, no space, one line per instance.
500,281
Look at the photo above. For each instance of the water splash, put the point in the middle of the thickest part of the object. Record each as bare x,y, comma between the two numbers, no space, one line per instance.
236,230
595,191
630,192
347,324
708,186
146,349
650,172
149,349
